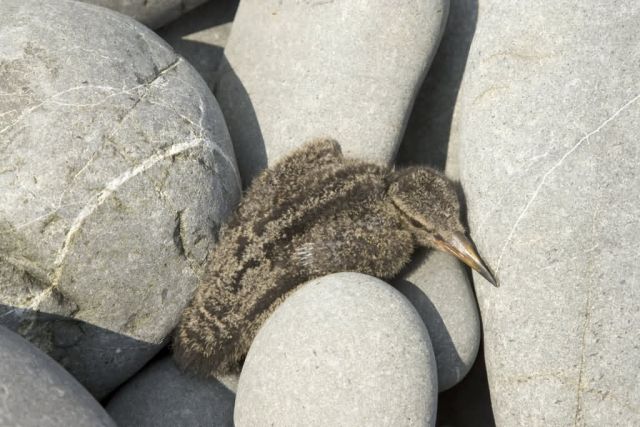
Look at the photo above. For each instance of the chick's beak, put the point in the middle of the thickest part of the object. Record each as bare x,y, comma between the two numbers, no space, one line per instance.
463,249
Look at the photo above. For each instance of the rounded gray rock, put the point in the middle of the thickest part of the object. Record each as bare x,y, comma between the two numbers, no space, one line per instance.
438,287
344,349
116,170
162,396
549,124
296,71
37,392
153,13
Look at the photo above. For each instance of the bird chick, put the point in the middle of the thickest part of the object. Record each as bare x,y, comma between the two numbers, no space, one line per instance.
313,213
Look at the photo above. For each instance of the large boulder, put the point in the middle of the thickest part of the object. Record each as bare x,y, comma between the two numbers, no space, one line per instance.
295,71
116,170
549,124
344,349
163,396
153,13
37,392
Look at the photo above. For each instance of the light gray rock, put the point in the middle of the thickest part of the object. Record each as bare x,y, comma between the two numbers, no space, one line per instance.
152,13
162,396
344,349
439,289
36,392
549,124
295,71
201,35
115,171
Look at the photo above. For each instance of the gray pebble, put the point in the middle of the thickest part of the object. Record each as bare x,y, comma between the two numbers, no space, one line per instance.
345,349
296,71
116,170
36,392
161,395
152,13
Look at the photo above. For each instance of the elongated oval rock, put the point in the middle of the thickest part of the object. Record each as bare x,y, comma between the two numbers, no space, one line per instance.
437,286
344,349
115,171
549,124
295,71
162,396
37,392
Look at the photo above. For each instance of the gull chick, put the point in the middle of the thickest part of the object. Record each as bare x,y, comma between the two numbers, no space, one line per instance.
313,213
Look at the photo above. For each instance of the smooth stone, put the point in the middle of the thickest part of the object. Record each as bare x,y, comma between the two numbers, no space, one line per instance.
343,349
116,169
161,395
36,391
549,124
152,13
201,35
295,71
439,289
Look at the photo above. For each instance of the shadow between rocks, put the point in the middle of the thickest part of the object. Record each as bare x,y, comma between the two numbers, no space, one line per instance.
62,338
200,36
468,403
426,140
244,128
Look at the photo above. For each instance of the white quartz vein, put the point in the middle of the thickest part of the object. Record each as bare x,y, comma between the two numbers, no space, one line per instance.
536,192
98,199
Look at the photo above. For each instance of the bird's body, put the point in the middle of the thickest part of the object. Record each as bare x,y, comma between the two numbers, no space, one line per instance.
312,214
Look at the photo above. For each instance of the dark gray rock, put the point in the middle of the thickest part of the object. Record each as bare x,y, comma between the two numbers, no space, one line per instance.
152,13
344,349
36,392
549,123
295,71
201,35
116,170
162,396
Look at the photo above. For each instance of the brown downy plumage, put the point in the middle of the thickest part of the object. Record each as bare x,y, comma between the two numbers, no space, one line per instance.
312,214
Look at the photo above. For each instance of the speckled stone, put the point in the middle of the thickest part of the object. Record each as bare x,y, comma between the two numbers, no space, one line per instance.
162,396
549,124
438,287
344,349
116,170
36,392
295,71
153,13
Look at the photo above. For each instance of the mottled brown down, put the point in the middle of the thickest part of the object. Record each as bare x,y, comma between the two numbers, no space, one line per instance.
311,214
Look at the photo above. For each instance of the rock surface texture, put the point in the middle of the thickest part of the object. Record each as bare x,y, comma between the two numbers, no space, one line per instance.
163,396
295,71
549,126
344,349
439,289
115,170
152,13
36,392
